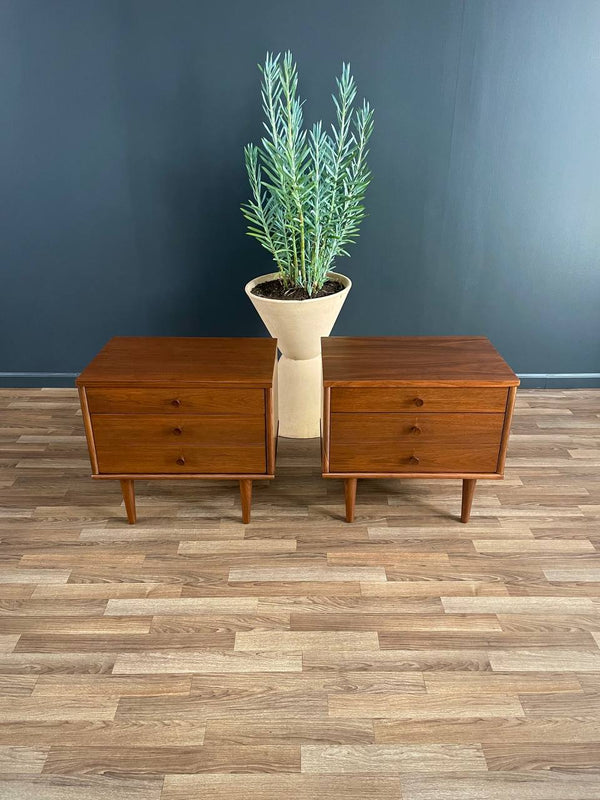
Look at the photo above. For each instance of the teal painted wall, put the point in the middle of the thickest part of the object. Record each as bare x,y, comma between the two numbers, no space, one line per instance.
122,171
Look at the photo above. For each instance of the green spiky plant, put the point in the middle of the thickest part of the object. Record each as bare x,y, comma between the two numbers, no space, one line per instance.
307,187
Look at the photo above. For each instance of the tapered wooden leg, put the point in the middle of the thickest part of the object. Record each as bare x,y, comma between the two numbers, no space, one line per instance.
350,493
128,491
467,498
246,497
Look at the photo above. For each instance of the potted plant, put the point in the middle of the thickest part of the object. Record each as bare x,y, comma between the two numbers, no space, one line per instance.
306,207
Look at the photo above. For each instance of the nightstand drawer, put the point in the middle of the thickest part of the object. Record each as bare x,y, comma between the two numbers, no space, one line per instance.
381,399
119,430
202,460
415,442
245,402
417,428
423,458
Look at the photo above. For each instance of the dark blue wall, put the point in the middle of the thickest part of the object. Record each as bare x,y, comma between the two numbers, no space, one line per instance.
121,141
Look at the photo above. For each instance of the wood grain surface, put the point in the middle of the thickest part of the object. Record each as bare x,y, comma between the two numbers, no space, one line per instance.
113,430
398,362
421,399
176,401
191,361
366,442
181,458
415,407
404,657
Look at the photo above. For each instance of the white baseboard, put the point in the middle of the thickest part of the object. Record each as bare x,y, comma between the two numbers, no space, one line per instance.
38,374
529,380
585,375
560,375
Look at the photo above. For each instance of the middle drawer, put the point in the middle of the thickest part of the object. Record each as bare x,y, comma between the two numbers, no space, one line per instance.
416,428
113,430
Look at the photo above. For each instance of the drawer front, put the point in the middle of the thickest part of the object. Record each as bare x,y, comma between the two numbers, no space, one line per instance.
124,430
415,442
245,402
169,460
375,399
427,458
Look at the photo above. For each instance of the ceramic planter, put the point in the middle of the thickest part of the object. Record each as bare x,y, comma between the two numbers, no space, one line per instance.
298,326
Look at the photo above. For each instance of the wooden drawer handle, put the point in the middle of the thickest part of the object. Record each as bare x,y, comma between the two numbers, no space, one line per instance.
176,403
178,430
414,459
415,429
419,401
181,461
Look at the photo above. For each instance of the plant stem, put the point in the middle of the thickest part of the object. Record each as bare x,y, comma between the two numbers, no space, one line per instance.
287,90
308,187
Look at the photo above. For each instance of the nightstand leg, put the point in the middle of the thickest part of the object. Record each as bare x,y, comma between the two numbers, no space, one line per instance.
128,491
467,498
350,493
246,497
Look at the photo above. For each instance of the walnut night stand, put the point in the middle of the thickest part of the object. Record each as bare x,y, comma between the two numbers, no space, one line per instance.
418,407
180,408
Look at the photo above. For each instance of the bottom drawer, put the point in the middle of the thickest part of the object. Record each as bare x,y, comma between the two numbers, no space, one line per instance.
415,443
372,457
213,459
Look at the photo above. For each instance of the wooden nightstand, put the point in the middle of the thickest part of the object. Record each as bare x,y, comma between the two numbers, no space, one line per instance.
180,408
418,407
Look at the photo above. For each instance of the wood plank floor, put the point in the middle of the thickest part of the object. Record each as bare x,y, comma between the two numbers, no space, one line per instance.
406,656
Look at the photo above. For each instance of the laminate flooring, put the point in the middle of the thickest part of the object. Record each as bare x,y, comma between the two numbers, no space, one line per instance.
405,656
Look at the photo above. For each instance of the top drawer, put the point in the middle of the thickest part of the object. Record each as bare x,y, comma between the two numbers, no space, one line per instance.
424,399
181,401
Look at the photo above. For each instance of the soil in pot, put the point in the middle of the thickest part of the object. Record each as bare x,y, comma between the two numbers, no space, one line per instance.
275,290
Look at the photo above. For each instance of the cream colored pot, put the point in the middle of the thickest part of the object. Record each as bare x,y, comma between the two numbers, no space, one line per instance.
298,326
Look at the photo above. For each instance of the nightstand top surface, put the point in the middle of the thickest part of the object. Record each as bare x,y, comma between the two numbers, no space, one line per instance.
138,360
414,361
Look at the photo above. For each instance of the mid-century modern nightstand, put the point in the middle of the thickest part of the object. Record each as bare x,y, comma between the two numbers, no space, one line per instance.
419,407
180,408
